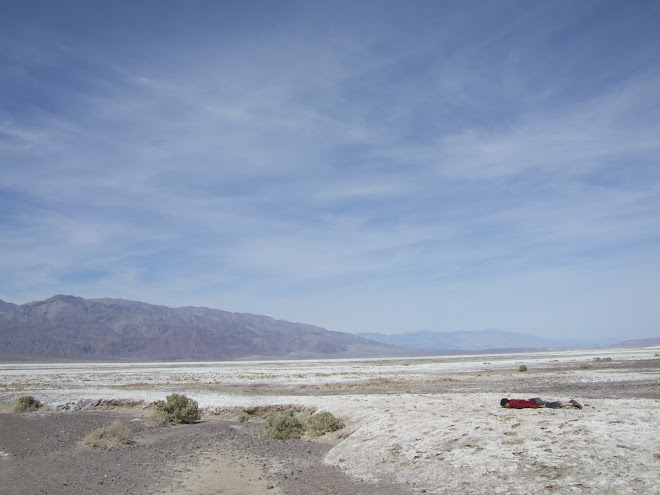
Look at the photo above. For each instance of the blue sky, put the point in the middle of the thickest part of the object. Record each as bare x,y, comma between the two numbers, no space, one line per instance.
362,166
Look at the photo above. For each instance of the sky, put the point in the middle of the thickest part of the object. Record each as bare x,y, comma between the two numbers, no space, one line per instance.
365,166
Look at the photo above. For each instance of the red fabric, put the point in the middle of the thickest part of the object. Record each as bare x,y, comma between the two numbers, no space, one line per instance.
523,403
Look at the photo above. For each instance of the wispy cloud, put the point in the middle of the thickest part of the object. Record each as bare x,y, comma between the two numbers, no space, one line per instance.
361,167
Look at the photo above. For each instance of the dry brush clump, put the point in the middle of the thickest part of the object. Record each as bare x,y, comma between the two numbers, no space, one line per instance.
285,425
322,423
27,403
116,434
176,408
281,426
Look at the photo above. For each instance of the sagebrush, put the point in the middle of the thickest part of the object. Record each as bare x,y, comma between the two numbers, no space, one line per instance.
107,437
177,408
281,426
285,424
322,423
27,403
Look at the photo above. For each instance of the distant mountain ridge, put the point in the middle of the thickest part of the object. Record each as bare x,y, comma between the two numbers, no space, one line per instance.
5,306
639,343
69,327
475,340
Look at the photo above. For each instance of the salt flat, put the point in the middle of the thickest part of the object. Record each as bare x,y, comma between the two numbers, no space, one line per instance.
432,423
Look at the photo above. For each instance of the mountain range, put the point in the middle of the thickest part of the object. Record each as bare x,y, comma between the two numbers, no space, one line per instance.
72,328
69,327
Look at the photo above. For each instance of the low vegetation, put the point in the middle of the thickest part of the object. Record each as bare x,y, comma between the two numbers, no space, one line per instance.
176,408
116,434
284,425
27,403
281,426
522,368
322,423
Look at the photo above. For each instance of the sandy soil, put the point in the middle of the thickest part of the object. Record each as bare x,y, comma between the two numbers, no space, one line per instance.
46,455
429,425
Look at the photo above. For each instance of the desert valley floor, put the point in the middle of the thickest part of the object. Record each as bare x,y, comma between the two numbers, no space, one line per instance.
413,425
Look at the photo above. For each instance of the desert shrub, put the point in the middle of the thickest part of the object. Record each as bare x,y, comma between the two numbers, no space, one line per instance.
522,368
281,426
244,418
657,355
602,359
322,423
585,366
27,403
107,437
177,408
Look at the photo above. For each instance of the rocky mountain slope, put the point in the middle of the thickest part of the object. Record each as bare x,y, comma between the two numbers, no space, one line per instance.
68,327
5,306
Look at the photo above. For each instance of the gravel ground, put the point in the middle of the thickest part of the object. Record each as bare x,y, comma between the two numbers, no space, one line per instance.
43,454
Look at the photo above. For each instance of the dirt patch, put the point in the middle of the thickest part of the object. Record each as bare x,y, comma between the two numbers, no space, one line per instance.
43,453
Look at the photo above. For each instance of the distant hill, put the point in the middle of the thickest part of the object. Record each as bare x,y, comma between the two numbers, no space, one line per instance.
474,341
68,327
638,343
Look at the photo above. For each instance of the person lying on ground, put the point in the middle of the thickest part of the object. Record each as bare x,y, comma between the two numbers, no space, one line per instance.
535,403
